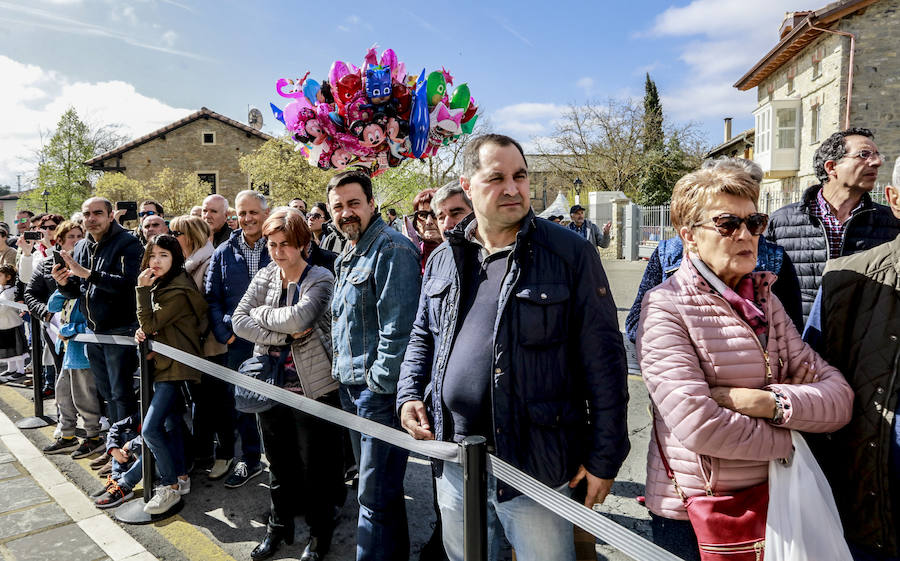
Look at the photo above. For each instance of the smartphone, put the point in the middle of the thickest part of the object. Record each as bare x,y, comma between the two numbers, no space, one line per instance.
32,236
58,259
130,208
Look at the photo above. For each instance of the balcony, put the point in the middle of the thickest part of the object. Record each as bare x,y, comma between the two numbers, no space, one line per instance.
777,148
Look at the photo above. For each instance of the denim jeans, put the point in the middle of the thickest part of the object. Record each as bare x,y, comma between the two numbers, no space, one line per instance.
167,446
535,532
382,532
128,475
113,367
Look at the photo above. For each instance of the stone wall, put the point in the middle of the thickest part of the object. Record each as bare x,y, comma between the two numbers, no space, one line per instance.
183,151
875,102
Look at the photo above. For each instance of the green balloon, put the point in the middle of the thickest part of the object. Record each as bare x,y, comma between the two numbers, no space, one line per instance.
436,88
461,97
469,125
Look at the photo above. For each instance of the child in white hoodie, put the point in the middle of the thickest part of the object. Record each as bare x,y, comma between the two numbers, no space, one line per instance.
13,344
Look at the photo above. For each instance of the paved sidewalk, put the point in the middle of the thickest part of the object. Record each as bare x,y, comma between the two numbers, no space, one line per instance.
45,516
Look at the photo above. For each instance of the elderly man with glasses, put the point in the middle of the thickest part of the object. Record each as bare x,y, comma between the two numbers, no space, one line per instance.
837,216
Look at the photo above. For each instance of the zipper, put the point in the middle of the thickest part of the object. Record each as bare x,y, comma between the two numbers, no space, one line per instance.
757,547
87,308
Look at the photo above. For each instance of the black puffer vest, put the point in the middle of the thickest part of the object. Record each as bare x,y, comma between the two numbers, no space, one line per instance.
796,228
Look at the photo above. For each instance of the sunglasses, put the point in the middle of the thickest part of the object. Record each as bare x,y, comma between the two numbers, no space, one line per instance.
315,215
728,224
20,221
176,233
424,214
232,218
144,213
47,227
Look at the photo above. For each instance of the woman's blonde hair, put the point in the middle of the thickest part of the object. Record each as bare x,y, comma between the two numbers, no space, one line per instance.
194,228
695,191
64,228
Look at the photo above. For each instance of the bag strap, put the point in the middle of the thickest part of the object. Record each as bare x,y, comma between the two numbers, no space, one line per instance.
670,473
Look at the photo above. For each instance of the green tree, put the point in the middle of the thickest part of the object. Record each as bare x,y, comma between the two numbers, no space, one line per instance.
653,136
285,171
118,187
176,192
398,186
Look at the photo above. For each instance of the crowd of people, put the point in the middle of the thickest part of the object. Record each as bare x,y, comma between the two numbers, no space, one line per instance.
471,316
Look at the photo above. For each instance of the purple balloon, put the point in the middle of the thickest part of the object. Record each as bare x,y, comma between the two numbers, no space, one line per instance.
418,117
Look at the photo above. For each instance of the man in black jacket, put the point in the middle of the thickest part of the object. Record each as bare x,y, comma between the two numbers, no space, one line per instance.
102,270
836,217
516,340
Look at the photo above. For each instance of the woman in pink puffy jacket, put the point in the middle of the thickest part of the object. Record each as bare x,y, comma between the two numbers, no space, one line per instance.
728,374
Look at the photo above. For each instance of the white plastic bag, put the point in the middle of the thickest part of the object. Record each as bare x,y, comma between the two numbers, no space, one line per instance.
802,522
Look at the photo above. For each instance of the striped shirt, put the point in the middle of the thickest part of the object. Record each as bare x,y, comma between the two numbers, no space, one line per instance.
833,227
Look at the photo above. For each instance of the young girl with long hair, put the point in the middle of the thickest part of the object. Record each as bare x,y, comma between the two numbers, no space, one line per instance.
170,310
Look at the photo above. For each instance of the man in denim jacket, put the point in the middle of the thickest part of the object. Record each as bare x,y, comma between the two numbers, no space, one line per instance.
377,281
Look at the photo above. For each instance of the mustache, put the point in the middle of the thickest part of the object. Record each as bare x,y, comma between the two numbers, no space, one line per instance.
349,220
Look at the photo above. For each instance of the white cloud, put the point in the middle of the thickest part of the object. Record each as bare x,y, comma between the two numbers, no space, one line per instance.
34,99
169,38
526,120
586,84
726,37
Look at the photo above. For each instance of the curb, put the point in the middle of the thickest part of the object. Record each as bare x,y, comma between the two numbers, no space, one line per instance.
113,540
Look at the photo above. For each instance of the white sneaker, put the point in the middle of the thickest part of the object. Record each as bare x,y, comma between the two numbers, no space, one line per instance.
184,486
220,469
163,499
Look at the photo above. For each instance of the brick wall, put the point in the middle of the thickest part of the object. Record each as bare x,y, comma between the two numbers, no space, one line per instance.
183,151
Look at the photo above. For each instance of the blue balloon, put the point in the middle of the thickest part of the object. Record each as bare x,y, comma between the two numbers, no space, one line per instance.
310,90
418,117
279,114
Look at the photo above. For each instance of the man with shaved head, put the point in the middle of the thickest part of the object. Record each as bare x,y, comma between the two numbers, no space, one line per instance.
215,213
102,272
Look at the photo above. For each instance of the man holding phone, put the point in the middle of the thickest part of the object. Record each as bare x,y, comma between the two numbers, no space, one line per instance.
102,271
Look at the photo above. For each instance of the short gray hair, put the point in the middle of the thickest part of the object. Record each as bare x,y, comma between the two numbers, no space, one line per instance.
217,197
263,203
447,191
749,167
895,177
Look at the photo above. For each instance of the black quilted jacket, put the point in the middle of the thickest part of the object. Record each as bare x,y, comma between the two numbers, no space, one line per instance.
860,331
796,228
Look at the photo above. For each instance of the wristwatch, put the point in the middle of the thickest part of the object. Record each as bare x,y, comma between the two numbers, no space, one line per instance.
778,418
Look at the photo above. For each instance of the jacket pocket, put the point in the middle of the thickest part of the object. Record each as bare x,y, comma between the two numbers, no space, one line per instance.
435,290
554,442
542,311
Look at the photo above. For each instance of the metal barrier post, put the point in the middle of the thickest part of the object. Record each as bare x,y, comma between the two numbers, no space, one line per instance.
474,465
133,512
37,348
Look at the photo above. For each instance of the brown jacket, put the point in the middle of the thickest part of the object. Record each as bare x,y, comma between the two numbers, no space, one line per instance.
174,314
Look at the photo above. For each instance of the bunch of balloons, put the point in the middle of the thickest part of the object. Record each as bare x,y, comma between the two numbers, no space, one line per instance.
374,116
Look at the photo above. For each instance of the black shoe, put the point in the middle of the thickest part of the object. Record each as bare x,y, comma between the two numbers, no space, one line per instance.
89,447
270,545
316,549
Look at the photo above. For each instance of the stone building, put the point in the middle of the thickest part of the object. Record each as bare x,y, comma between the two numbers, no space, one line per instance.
548,176
734,146
204,142
832,68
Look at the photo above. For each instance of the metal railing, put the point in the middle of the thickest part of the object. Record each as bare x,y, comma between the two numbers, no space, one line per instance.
471,453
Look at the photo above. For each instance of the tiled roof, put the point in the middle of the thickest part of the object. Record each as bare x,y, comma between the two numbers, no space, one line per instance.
203,113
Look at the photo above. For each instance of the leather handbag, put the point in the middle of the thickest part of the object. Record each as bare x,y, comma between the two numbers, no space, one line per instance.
269,369
728,527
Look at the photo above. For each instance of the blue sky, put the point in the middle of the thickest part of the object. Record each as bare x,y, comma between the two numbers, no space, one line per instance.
145,63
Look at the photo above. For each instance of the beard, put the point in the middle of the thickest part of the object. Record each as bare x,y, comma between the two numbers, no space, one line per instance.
350,228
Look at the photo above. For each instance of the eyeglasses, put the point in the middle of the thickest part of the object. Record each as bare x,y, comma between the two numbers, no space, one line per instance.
424,214
232,218
176,233
866,155
20,221
728,224
144,213
47,227
315,215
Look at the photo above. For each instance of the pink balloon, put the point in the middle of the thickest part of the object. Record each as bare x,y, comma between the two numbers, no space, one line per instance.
280,85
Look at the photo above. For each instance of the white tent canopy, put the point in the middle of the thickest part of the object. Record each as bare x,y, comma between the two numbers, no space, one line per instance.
560,207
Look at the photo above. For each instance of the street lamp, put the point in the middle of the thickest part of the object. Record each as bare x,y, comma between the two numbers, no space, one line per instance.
578,183
46,196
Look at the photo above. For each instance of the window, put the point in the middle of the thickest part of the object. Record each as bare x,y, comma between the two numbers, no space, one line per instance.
787,127
817,57
762,131
791,73
815,134
209,138
209,179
